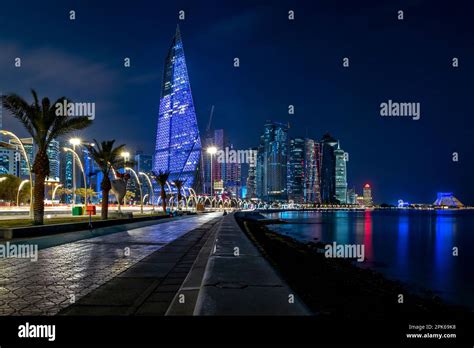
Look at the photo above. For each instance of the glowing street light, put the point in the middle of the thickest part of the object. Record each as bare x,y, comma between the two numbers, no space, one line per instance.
126,157
75,141
19,189
212,151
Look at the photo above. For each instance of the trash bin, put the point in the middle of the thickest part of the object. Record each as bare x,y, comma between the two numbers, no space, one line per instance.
77,211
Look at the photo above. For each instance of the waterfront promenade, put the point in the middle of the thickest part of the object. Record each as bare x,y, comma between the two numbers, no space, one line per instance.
66,273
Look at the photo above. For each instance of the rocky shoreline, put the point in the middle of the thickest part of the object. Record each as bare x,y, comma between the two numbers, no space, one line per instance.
335,288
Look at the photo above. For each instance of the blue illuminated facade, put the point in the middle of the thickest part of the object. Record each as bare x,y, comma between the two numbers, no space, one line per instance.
178,145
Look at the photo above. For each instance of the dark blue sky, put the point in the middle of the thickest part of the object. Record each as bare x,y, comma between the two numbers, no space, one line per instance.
282,62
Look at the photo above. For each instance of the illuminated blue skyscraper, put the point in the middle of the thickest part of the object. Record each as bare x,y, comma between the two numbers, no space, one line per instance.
178,146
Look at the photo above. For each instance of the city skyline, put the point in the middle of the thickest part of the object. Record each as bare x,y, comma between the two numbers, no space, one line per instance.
407,151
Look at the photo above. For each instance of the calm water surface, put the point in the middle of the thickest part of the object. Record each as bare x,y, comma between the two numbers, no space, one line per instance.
412,246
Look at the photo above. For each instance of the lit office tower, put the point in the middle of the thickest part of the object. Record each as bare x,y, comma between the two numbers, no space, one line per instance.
312,191
251,177
367,195
328,169
30,150
66,172
271,168
232,176
143,162
341,175
178,145
296,167
8,155
351,196
53,155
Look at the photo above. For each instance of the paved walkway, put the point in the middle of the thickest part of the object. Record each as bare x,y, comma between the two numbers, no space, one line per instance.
64,274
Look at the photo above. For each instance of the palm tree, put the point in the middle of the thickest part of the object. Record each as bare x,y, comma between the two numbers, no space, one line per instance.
179,185
43,124
106,157
161,178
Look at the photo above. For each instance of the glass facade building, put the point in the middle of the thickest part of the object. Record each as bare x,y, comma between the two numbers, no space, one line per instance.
328,169
53,155
312,187
143,162
271,170
66,172
9,155
341,175
296,170
251,189
367,195
178,145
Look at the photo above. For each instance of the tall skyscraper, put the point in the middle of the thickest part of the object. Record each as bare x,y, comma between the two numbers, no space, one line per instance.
272,162
30,152
232,177
53,155
312,188
251,179
328,169
351,196
367,195
66,172
341,175
296,170
178,145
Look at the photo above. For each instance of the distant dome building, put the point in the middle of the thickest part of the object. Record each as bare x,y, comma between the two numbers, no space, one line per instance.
448,200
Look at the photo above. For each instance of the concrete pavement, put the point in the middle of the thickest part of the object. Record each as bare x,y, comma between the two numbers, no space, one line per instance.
66,273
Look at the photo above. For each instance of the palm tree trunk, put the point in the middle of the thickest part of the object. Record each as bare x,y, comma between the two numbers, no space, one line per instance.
163,198
104,213
38,201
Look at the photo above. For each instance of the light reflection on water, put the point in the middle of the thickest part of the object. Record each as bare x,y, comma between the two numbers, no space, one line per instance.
415,247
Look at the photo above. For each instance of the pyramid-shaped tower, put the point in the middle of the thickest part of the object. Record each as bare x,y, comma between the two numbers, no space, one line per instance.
178,145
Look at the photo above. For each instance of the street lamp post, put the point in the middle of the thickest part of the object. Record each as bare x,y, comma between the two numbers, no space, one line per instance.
151,189
27,160
75,155
19,189
139,186
74,142
54,191
211,151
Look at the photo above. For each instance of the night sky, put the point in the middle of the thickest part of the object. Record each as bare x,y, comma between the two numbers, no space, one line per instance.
282,62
